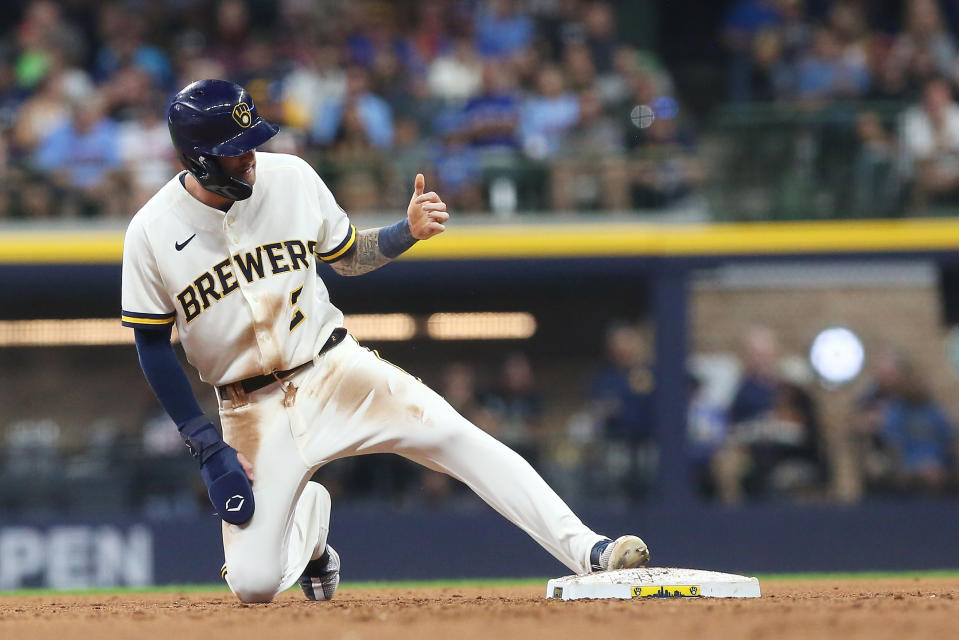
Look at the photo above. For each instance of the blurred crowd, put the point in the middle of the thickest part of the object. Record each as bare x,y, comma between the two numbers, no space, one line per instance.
503,105
756,431
810,50
771,440
880,76
531,105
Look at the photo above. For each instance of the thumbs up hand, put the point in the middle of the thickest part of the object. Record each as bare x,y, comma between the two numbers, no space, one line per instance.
427,213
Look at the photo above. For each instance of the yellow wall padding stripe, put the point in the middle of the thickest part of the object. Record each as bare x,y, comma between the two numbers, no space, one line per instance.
568,240
53,247
521,241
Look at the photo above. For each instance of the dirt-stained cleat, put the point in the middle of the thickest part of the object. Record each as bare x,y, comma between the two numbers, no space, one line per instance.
321,576
626,552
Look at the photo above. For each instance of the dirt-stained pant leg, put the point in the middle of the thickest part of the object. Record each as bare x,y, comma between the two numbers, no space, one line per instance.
354,403
290,524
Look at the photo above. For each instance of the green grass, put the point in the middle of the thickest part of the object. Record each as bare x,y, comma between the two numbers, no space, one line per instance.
347,586
467,582
434,584
862,575
110,591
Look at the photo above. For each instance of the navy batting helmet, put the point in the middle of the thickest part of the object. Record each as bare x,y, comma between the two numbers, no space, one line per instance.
210,119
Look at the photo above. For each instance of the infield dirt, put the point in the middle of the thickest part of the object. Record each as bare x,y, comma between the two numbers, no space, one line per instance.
894,608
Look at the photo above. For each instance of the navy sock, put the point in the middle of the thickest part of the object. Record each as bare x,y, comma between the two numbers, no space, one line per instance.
596,553
316,567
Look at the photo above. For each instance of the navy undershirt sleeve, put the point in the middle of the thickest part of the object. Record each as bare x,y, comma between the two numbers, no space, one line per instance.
165,375
396,238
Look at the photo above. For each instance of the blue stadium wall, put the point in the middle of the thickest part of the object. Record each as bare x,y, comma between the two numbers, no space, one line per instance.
380,544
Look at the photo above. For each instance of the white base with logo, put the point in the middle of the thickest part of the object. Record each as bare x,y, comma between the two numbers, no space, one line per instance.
653,582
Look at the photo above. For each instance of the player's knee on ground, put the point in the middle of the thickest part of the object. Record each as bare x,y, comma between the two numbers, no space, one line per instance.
251,583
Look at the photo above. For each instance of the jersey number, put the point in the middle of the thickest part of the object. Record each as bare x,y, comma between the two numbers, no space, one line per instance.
297,314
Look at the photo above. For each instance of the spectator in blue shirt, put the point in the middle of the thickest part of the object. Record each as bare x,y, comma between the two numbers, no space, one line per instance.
82,152
548,115
749,16
600,26
490,119
373,111
621,403
743,22
458,169
706,429
826,73
923,437
757,389
376,34
918,434
621,392
774,444
125,47
501,31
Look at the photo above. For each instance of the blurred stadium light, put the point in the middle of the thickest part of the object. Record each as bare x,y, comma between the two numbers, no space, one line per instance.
481,326
373,326
837,355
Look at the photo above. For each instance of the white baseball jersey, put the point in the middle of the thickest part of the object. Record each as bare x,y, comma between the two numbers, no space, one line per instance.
241,285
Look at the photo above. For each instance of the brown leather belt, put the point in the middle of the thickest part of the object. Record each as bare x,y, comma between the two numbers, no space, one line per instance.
249,385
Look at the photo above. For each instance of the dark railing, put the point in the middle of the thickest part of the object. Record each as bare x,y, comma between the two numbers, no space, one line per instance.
788,161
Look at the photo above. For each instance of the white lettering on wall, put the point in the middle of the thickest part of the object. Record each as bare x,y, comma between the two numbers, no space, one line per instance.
76,557
21,555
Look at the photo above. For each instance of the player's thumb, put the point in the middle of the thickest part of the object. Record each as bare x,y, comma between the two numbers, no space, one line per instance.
418,185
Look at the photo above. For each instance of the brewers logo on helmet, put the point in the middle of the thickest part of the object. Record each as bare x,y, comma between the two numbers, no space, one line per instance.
241,113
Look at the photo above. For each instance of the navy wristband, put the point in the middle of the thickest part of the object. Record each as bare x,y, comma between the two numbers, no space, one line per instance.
202,438
396,238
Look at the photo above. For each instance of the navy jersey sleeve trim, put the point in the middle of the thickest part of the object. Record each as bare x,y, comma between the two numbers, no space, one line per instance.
138,320
341,249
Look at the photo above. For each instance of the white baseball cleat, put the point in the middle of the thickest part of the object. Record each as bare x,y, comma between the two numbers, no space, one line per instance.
626,552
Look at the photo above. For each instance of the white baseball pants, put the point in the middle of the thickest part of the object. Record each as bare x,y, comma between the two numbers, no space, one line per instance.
353,403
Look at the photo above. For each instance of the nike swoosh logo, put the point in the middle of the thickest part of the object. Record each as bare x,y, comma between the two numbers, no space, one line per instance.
179,246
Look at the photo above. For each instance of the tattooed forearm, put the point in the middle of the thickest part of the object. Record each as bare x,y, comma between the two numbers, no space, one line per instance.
365,256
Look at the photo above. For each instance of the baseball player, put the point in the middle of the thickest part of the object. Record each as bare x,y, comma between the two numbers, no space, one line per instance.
228,251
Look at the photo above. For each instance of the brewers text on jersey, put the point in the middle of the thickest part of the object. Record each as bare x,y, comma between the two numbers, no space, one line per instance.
198,296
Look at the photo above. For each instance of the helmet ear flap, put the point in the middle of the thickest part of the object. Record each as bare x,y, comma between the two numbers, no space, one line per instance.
210,174
209,168
199,167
